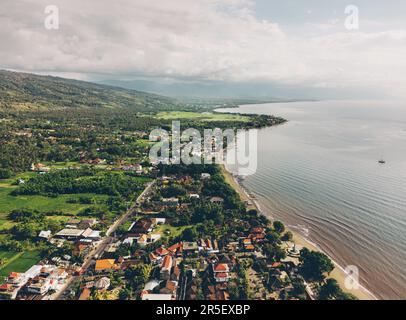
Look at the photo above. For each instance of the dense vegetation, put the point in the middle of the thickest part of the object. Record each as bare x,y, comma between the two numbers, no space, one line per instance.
27,91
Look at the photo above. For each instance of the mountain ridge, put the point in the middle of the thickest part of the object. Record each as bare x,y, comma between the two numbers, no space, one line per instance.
26,91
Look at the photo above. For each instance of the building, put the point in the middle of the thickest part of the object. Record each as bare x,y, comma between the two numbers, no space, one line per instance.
166,268
105,265
221,272
216,200
156,297
205,176
70,234
45,234
170,202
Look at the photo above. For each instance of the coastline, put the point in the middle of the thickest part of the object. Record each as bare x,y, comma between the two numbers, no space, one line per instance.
338,273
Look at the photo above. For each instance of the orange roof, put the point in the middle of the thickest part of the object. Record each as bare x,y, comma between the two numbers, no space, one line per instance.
175,247
13,275
208,242
249,247
5,286
105,264
161,251
221,275
152,257
276,264
167,263
246,241
221,267
257,230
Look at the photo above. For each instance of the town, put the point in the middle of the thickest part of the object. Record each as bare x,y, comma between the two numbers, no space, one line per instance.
187,236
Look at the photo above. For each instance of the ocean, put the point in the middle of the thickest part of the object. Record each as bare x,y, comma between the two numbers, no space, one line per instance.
320,174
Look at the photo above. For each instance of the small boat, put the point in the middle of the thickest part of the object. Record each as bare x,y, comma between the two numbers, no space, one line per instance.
382,161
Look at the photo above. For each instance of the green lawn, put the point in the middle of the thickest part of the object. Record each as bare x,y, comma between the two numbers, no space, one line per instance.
175,231
176,115
7,254
20,262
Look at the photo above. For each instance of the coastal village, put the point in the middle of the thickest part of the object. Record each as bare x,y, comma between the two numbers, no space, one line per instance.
187,236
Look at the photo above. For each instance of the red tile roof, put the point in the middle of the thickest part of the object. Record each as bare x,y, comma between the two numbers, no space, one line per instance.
161,251
221,267
167,263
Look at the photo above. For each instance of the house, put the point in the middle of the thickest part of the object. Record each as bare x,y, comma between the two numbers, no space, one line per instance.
148,238
190,247
17,279
166,268
170,202
73,223
221,272
216,200
39,167
161,251
45,234
176,249
141,226
158,221
158,297
87,223
194,196
154,259
169,287
91,235
70,234
105,265
205,176
102,283
33,271
41,285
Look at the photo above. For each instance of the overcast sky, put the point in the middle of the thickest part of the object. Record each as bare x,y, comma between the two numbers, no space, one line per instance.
293,43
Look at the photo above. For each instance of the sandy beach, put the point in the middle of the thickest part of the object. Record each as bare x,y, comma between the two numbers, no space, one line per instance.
338,273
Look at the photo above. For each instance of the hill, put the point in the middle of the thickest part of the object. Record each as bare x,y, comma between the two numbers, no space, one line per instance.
23,91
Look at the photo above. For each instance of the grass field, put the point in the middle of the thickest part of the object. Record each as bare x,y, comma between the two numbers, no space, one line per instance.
20,262
208,117
41,203
174,231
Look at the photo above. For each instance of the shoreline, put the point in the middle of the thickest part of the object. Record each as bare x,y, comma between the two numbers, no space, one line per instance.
338,273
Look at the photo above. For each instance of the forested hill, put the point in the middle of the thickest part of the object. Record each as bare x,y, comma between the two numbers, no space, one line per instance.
23,91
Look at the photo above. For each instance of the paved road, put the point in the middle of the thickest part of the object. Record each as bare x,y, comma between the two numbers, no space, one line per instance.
101,247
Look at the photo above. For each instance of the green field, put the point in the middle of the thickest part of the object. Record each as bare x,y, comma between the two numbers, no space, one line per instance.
174,231
20,262
41,203
208,117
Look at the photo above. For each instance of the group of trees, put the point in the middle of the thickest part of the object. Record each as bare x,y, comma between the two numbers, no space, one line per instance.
81,181
30,223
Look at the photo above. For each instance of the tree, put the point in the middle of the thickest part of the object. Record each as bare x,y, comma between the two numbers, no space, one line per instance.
314,265
299,287
279,226
331,290
5,173
287,236
189,234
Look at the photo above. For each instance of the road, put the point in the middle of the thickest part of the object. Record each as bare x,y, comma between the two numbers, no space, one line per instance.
101,247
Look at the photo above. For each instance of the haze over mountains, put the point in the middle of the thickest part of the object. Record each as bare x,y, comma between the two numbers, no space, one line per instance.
240,90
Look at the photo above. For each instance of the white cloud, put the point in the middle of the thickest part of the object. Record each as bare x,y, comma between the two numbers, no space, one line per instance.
199,39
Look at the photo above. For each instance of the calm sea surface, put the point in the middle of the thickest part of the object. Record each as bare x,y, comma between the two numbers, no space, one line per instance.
319,173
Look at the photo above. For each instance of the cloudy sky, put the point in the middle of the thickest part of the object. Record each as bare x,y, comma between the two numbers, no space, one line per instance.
294,44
